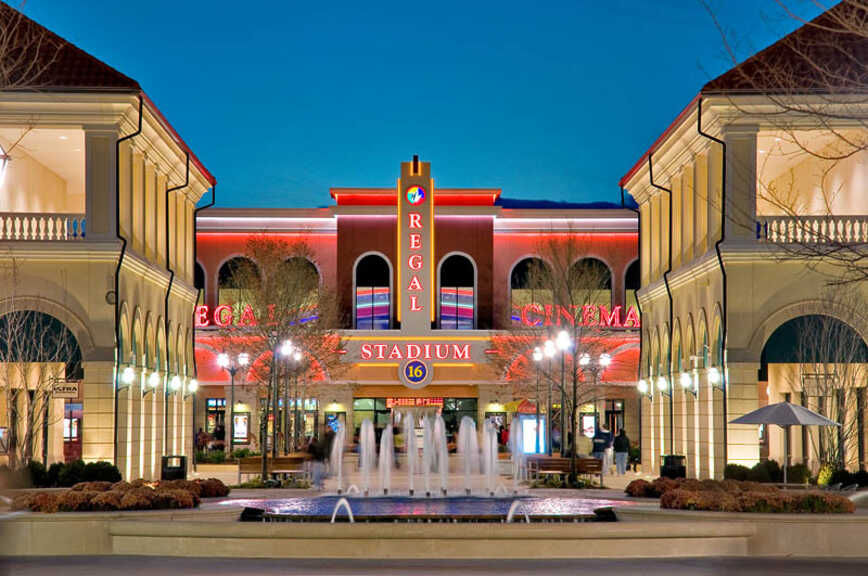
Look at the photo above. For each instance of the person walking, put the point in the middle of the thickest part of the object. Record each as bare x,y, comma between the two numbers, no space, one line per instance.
622,452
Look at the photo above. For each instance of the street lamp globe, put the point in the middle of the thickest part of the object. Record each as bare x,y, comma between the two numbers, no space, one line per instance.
686,380
642,386
243,359
297,356
286,348
605,360
128,375
154,379
662,385
175,384
549,349
537,354
584,360
223,360
563,340
713,375
193,385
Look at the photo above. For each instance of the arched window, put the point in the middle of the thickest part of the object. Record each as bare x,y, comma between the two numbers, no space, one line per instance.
199,283
590,283
234,278
457,293
301,280
373,281
530,291
631,284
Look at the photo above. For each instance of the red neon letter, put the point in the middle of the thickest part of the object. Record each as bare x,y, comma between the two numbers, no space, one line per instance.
413,351
366,352
613,319
415,284
415,220
415,241
588,317
201,316
415,262
381,351
414,304
632,319
525,314
248,318
219,318
461,352
566,315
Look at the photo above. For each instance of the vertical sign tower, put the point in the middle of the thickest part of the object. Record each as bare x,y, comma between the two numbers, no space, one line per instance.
416,247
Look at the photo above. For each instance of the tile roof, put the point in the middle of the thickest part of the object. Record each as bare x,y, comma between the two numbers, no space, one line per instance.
34,57
827,54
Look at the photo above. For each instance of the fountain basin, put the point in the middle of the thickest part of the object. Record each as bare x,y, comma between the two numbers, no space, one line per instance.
427,510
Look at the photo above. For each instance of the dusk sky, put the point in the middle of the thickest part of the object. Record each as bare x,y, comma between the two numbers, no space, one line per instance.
546,100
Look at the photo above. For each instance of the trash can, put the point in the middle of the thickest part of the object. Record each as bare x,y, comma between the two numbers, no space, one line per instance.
173,468
672,466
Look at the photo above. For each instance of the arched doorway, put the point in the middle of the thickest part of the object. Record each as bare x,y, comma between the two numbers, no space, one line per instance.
372,309
530,283
235,279
590,283
42,363
457,303
819,362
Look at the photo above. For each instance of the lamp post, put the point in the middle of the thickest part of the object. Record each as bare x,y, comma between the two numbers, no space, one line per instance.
549,350
296,360
564,343
537,358
285,351
232,366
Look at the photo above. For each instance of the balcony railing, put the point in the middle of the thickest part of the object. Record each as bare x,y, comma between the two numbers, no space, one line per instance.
813,229
41,227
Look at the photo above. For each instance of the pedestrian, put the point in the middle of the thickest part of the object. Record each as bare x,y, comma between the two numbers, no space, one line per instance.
601,441
622,452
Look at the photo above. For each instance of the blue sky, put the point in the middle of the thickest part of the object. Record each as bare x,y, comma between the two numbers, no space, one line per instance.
546,100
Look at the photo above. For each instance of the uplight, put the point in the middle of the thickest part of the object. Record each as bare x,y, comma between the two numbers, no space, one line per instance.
175,384
714,375
642,386
662,384
193,385
128,375
154,379
686,380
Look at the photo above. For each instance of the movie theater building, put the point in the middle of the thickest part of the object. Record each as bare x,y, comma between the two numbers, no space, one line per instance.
744,302
425,277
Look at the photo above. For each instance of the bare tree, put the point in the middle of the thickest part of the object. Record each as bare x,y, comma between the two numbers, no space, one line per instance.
578,290
282,314
809,89
37,352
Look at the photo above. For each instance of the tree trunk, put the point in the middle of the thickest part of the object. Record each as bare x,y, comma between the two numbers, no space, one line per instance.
275,408
263,436
573,475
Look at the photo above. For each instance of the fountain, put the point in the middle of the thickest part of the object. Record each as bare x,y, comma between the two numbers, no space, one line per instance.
468,448
410,446
442,451
489,455
367,454
427,452
516,446
387,458
516,504
336,458
345,504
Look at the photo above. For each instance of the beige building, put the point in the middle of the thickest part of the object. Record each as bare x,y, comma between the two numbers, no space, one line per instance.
97,201
751,203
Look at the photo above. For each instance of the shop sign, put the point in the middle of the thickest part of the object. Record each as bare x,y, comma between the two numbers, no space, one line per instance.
415,245
556,315
456,352
413,402
65,389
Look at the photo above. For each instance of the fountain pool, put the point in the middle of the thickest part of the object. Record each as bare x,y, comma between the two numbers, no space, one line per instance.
406,509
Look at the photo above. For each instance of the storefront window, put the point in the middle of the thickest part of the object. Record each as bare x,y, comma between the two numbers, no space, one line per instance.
457,282
72,423
215,414
531,290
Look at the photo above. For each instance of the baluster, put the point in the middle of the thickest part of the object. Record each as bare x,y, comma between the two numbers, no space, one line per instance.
83,226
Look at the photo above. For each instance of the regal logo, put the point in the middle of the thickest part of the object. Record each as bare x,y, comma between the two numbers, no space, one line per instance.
415,195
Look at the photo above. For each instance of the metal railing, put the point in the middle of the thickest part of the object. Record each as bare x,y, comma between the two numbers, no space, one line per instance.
813,229
41,226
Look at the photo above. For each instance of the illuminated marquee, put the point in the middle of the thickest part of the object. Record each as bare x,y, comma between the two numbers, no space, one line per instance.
369,352
555,315
226,315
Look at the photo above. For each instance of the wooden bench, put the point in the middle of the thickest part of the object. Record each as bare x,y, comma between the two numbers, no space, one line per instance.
554,466
282,465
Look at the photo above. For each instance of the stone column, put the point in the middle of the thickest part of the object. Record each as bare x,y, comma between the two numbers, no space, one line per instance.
742,397
100,182
706,425
98,411
740,182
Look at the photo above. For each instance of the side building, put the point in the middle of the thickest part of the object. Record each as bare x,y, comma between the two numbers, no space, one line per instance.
754,235
97,199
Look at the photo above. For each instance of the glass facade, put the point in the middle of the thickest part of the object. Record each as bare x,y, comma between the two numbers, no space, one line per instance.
456,308
372,308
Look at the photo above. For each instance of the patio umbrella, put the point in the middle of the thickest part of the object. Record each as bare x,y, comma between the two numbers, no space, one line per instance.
784,414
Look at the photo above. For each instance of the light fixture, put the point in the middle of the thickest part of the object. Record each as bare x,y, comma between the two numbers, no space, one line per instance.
286,348
223,360
662,384
549,349
175,383
537,354
642,386
714,375
4,160
193,385
584,360
563,340
243,359
154,379
686,380
128,375
297,356
605,359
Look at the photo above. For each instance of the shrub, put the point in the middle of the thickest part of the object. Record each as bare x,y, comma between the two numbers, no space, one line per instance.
766,501
122,486
213,488
36,472
71,473
107,501
53,473
824,475
141,498
167,498
735,472
244,453
767,471
101,471
21,502
44,502
639,489
93,486
798,474
75,500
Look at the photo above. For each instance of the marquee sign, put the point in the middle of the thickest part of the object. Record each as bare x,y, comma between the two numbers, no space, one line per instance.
415,246
554,315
